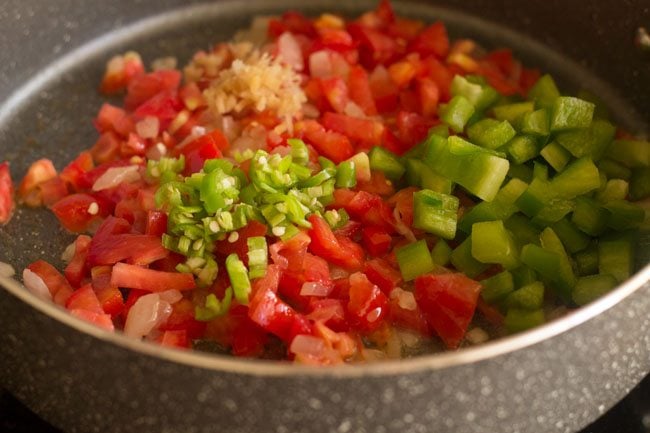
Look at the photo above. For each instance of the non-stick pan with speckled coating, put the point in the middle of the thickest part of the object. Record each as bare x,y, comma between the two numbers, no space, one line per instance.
556,378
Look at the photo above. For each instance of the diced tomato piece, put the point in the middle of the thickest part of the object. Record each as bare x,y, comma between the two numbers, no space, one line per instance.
76,268
491,313
156,223
52,190
409,319
137,249
376,240
137,277
110,298
290,254
312,269
39,172
338,250
56,283
329,311
364,131
402,73
334,39
108,117
403,201
439,74
359,89
314,92
73,173
99,319
106,148
528,79
336,92
413,128
404,28
381,273
384,91
368,305
7,203
120,70
375,47
201,149
432,40
273,314
330,144
293,22
240,246
429,95
248,339
385,12
191,96
144,87
183,319
177,339
84,298
164,106
377,185
448,302
75,212
371,209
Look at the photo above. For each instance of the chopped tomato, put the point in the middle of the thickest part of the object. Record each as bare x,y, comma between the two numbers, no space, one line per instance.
146,86
73,173
448,302
38,173
413,128
359,89
384,91
99,319
201,149
108,117
7,203
293,22
137,277
120,70
56,283
137,249
413,320
432,40
370,209
364,131
76,268
330,144
429,95
182,319
78,212
368,305
312,269
381,273
376,240
336,92
177,339
329,311
340,250
164,106
156,223
84,298
106,148
240,246
375,47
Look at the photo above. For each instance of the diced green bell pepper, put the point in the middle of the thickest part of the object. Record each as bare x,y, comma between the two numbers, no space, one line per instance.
522,148
592,287
591,141
615,189
414,260
457,113
477,92
387,162
571,113
615,170
536,123
518,319
616,256
623,215
640,183
491,133
492,243
630,153
523,275
586,261
579,177
501,208
528,297
462,259
523,230
441,253
435,213
513,113
497,287
589,216
572,238
555,155
544,92
564,276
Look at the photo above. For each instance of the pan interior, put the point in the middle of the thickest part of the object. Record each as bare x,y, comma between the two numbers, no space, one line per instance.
51,115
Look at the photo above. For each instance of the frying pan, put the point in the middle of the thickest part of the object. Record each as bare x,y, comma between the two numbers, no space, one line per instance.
556,378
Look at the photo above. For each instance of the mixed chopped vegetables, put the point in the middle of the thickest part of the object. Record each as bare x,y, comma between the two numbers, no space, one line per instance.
344,190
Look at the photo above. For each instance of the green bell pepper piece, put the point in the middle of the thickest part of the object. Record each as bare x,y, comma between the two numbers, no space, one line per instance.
491,133
640,183
518,319
522,148
414,260
492,243
592,287
544,92
387,162
615,170
564,276
589,216
630,153
571,113
572,238
624,215
536,123
555,155
497,287
462,259
457,113
435,213
616,255
586,261
528,297
441,253
579,177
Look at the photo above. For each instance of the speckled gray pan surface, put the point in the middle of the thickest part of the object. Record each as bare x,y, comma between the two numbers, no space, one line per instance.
84,380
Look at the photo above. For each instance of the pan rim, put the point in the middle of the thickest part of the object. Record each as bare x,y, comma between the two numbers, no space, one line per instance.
263,368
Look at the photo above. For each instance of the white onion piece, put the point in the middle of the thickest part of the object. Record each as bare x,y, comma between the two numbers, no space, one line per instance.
320,65
290,52
307,345
394,346
6,270
353,110
253,138
477,336
229,127
282,150
68,253
315,288
115,176
405,299
146,314
148,127
36,285
172,296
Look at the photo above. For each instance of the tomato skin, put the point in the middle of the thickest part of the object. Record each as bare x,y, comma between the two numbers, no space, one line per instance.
201,149
137,277
72,211
137,249
56,283
76,268
338,250
381,273
366,132
368,305
448,302
7,203
376,240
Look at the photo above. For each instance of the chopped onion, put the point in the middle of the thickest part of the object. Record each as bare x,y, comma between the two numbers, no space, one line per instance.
230,128
253,138
353,110
36,285
315,288
172,296
115,176
307,345
6,270
394,346
282,150
148,127
405,299
148,312
68,253
320,65
477,336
